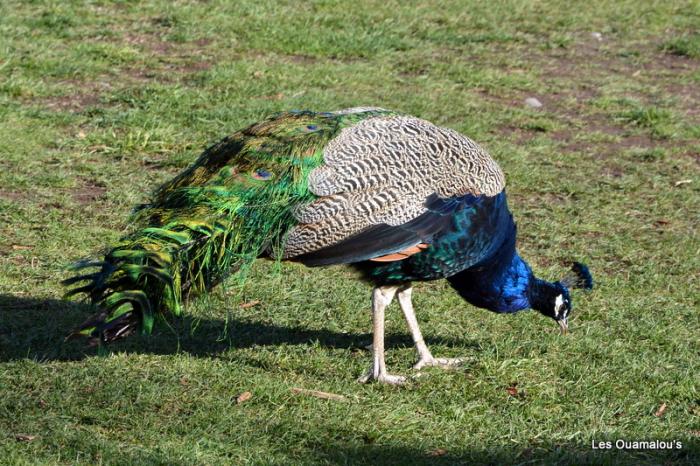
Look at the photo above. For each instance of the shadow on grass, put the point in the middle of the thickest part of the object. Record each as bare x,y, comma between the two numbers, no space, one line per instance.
541,454
35,329
390,455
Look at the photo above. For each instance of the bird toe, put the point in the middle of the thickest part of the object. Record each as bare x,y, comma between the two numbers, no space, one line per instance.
389,379
392,379
438,362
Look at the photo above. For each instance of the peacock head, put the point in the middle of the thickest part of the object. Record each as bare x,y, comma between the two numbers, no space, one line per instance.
553,299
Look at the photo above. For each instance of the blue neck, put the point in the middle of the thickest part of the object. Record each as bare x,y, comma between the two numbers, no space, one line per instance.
501,285
502,281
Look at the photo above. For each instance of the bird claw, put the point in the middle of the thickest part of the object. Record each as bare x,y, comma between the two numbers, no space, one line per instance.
382,378
438,362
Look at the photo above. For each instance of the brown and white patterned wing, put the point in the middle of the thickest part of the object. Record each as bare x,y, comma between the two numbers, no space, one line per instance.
381,171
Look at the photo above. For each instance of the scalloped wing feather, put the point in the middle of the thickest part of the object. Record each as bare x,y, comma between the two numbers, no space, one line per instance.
381,171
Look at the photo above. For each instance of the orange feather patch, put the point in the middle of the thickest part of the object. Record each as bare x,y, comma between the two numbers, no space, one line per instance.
401,255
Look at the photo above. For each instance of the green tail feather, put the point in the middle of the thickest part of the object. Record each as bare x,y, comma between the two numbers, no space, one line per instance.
231,206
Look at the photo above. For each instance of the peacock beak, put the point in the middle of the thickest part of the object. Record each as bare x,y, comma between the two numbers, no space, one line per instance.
564,325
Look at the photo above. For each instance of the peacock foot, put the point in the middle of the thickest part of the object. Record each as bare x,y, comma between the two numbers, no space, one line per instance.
382,378
446,363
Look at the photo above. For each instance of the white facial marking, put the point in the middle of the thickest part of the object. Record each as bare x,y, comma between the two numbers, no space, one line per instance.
558,304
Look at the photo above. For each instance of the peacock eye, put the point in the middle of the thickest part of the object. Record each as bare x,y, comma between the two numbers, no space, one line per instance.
310,128
261,174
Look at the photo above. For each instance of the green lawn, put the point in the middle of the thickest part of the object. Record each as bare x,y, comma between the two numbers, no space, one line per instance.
101,101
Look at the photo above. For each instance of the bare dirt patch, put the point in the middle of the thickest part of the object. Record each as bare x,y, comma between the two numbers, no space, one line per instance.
144,75
302,59
687,97
612,171
517,135
671,62
14,196
174,59
149,42
155,45
189,67
90,192
166,73
86,94
72,103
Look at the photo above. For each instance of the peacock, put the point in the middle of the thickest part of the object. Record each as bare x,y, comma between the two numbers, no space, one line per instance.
394,196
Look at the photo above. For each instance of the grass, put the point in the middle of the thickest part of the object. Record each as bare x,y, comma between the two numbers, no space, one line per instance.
101,101
658,121
688,46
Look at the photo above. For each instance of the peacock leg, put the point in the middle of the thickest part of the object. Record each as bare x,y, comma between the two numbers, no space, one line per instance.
425,357
381,298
